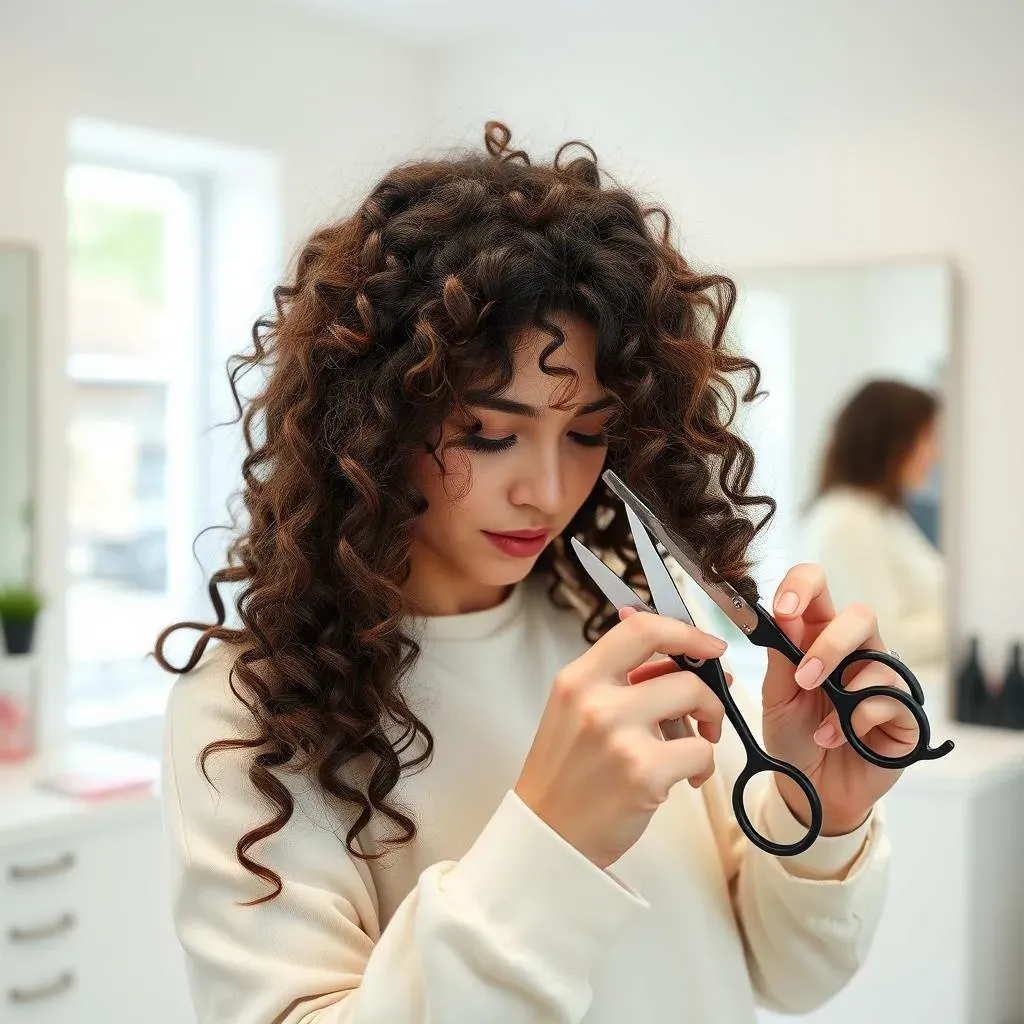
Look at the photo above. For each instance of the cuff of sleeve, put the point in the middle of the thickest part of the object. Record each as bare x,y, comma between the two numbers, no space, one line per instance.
830,858
543,895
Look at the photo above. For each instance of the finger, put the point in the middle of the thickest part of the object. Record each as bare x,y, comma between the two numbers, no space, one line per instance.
636,638
803,594
652,669
673,695
862,674
692,758
853,628
879,722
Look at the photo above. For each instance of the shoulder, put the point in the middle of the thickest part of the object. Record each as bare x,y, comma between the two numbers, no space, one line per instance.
216,799
844,509
203,707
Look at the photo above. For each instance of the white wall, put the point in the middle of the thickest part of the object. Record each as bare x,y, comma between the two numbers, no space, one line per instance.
335,106
796,132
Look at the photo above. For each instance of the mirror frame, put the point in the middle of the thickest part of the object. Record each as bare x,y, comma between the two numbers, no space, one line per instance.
33,384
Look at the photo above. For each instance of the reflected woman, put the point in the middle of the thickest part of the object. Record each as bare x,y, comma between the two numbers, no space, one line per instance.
882,449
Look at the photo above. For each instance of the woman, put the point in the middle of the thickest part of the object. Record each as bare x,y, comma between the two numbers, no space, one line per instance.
432,793
882,449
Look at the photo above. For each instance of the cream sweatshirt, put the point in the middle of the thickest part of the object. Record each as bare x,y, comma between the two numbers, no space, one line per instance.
875,554
489,916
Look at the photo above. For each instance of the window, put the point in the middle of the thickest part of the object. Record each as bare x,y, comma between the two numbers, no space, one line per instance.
134,342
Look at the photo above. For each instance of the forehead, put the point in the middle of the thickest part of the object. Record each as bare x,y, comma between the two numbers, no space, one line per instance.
576,354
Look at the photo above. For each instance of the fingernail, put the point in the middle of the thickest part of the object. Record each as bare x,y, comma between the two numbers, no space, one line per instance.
826,735
808,673
787,603
721,643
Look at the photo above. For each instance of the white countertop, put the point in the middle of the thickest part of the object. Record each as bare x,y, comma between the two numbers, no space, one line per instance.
29,812
982,756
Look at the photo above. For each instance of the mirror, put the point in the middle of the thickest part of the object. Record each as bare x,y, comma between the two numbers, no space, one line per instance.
854,362
18,347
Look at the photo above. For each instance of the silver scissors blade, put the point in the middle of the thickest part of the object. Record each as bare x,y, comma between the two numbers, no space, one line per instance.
620,593
664,591
728,599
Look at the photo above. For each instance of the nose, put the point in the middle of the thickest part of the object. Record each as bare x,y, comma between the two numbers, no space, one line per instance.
540,482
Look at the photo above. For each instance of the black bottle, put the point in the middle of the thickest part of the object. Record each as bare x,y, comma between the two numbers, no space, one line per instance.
1011,698
974,703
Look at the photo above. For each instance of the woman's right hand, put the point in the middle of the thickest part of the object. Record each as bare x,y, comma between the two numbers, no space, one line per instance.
599,766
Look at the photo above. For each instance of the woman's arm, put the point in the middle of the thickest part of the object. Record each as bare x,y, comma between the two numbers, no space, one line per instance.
807,921
506,934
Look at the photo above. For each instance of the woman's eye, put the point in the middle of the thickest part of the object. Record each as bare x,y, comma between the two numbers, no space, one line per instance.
477,443
590,440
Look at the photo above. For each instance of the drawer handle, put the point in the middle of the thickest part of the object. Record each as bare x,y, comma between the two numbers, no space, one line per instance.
64,923
57,987
27,872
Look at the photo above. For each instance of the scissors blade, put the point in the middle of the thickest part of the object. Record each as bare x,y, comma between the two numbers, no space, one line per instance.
620,593
727,598
664,592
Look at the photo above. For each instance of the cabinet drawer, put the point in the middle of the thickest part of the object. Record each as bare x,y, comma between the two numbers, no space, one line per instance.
55,998
41,947
39,882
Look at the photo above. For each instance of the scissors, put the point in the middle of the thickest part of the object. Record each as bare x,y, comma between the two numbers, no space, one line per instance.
761,629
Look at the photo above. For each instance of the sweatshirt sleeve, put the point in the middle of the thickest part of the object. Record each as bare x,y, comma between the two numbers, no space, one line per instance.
507,933
807,921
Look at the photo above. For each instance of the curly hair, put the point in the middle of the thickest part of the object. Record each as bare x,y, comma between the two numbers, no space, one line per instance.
872,436
386,317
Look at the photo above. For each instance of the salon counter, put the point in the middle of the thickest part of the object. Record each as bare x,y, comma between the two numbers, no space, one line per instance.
950,948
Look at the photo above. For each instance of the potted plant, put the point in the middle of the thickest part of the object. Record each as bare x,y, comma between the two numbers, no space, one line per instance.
19,609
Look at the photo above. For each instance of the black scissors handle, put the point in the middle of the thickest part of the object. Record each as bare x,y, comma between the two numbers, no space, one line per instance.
712,675
768,633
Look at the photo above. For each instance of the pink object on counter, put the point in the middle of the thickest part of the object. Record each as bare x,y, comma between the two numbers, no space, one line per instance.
15,730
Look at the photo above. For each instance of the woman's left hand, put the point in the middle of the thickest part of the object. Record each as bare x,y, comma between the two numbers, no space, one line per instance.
800,724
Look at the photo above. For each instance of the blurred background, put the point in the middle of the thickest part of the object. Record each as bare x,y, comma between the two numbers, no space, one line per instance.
855,167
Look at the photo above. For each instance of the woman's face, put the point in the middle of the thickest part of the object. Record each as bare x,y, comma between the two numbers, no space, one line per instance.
525,471
922,457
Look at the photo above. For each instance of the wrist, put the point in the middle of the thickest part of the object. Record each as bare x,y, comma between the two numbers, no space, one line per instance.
831,825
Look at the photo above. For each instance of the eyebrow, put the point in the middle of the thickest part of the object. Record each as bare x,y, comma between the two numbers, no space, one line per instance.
486,400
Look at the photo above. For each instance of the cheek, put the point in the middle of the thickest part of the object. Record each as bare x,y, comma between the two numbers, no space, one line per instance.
451,495
585,472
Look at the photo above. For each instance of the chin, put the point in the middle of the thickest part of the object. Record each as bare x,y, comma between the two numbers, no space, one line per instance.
506,572
509,575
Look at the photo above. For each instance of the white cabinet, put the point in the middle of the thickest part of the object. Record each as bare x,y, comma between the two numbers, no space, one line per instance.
85,929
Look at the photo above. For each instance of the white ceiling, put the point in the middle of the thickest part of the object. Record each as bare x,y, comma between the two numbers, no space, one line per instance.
458,21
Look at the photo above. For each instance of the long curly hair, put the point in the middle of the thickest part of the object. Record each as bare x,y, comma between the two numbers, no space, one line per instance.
385,318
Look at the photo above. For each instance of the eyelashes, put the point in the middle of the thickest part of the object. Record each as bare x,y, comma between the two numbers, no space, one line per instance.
486,444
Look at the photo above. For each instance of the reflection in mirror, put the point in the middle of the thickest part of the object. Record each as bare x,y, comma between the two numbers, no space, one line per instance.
854,362
17,447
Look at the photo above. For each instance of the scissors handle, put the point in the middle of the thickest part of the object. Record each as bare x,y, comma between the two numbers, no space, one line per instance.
768,633
758,761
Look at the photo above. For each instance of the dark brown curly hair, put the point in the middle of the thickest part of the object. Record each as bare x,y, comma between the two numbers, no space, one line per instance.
873,434
388,315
